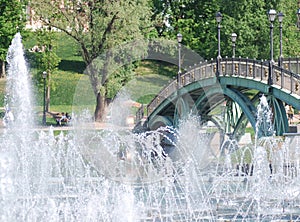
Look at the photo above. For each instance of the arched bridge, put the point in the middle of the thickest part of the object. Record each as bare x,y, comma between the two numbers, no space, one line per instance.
227,94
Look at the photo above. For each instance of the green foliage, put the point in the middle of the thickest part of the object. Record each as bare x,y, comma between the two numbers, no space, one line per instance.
118,79
249,20
195,20
291,34
12,20
46,57
98,26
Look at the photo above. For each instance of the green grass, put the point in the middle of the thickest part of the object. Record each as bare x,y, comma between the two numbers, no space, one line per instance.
64,87
65,79
151,77
69,52
2,91
71,90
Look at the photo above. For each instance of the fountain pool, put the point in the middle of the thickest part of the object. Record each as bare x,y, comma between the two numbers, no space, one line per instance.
116,175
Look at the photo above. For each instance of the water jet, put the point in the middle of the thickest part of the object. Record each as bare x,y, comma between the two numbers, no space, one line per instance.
113,175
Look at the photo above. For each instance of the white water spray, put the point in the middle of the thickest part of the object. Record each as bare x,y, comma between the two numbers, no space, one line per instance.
18,88
164,175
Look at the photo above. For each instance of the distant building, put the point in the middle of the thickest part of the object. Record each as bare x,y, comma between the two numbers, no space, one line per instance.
34,24
31,22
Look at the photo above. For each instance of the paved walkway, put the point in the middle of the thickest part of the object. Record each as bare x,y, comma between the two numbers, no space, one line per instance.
94,125
104,125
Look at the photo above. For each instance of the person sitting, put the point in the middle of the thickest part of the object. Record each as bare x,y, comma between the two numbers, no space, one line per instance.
57,118
68,117
63,118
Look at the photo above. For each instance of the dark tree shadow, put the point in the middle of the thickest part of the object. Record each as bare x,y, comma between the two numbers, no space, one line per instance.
72,66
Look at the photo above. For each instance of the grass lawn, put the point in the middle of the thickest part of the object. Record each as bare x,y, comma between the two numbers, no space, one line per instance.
69,92
151,77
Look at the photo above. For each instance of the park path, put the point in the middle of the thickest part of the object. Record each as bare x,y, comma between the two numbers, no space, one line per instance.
105,125
94,125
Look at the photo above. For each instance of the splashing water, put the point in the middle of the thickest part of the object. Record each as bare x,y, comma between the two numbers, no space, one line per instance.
18,87
264,126
116,175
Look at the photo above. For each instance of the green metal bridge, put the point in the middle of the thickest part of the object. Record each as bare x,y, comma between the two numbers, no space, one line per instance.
227,96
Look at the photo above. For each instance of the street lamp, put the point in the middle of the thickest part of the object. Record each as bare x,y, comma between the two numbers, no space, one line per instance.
219,19
233,40
298,18
44,109
272,15
179,39
280,19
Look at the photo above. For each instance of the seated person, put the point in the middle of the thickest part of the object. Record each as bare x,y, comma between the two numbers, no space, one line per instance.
65,118
57,118
68,117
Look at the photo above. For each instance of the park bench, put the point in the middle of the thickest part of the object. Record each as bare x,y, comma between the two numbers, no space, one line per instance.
58,119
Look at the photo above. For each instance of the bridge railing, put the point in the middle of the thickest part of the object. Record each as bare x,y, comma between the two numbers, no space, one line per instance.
238,67
292,64
204,70
162,95
259,71
244,67
286,80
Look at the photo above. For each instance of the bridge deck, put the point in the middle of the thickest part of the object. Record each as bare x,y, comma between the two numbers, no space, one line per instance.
284,79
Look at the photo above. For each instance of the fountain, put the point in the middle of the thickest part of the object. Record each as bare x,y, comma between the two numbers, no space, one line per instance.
113,175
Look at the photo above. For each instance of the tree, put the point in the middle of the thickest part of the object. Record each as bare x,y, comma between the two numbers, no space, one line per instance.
98,26
195,20
248,18
12,20
46,57
290,31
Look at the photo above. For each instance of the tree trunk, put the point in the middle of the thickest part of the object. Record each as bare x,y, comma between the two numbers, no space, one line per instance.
48,98
48,88
2,74
100,108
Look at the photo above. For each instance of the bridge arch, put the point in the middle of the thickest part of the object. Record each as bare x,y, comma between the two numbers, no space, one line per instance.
237,78
159,121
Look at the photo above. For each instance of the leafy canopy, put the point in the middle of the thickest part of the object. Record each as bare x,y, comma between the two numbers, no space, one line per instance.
195,20
12,20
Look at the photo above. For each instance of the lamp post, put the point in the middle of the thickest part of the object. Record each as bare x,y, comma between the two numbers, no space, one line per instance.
271,15
298,18
44,108
233,40
219,19
280,19
179,39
